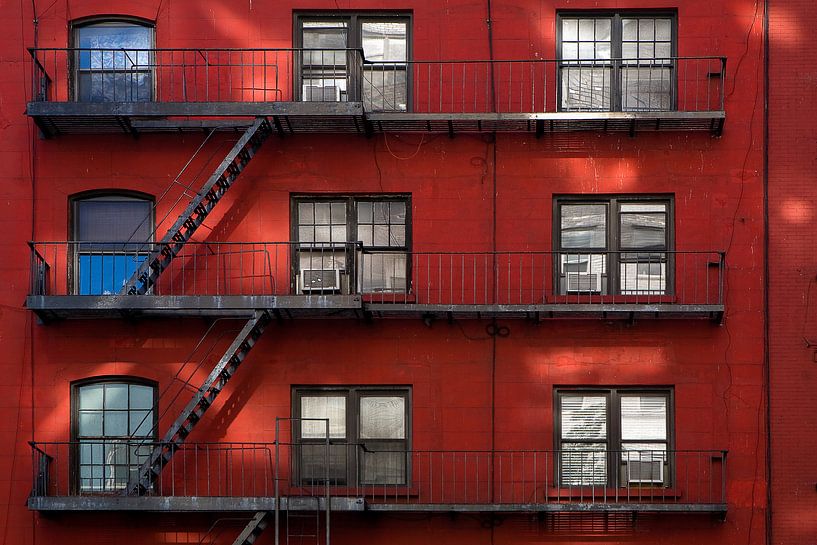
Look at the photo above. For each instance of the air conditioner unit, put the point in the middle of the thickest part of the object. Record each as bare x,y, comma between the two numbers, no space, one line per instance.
645,471
580,282
320,280
321,93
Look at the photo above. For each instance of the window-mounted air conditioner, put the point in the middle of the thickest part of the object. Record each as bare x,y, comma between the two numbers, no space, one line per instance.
320,280
581,282
645,471
321,93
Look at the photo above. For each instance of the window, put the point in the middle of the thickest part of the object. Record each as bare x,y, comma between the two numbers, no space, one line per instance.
110,232
114,423
613,245
331,73
368,435
323,225
617,62
625,429
113,61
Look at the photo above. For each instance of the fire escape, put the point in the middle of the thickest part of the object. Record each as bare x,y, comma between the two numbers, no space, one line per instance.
271,107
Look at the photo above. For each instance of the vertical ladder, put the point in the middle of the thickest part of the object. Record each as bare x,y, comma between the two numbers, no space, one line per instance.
303,521
198,209
200,402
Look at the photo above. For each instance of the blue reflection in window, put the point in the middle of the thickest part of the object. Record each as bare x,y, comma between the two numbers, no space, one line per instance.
105,274
114,63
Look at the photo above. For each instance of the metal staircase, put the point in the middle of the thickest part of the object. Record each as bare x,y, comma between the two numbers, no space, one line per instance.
200,402
253,529
163,252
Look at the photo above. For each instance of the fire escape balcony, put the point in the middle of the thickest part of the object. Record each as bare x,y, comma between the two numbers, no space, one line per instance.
76,90
293,279
223,477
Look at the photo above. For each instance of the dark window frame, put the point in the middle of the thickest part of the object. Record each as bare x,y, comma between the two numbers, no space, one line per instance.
353,395
354,19
73,217
75,438
613,439
75,27
613,249
351,201
616,42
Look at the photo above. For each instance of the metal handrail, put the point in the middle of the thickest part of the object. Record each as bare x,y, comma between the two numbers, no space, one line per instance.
426,476
389,275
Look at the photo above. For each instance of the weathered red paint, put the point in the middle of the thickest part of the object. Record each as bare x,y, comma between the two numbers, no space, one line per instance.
470,390
792,268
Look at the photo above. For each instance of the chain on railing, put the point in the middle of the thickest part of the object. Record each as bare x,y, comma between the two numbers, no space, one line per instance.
394,476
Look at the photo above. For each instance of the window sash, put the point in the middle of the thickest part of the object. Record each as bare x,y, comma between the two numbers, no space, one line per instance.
358,458
616,69
616,263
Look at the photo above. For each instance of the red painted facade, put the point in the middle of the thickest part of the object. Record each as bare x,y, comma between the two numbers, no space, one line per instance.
791,265
491,192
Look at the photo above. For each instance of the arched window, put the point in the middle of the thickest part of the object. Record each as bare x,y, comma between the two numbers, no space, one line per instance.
114,425
110,235
113,61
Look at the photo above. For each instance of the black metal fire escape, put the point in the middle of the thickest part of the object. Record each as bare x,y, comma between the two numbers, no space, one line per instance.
225,175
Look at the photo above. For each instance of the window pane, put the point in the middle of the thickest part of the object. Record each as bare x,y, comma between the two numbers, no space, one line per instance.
384,41
90,397
90,423
384,272
113,220
646,230
383,467
115,36
583,226
141,423
116,424
116,396
331,407
570,30
141,397
584,416
397,211
646,89
338,210
382,417
364,234
314,463
306,234
583,464
364,212
330,38
381,235
586,29
643,417
322,213
585,88
384,88
663,29
306,213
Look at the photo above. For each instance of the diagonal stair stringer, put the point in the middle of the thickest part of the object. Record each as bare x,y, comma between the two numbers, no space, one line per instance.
202,400
200,206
